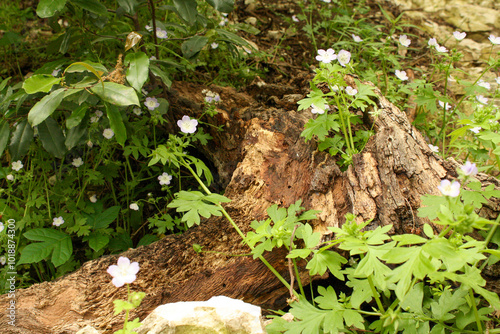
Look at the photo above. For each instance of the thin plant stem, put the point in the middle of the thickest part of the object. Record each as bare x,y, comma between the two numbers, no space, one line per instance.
474,308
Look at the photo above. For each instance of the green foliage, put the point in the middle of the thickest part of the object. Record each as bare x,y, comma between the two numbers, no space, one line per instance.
52,242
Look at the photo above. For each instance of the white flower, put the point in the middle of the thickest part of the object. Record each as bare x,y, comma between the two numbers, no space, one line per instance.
137,111
448,188
494,40
93,198
214,45
476,129
326,56
356,38
497,80
401,75
469,168
3,260
77,162
484,84
211,96
55,72
451,78
151,103
482,99
403,39
318,109
433,148
10,177
295,18
459,35
98,113
152,58
144,92
165,179
444,105
94,119
351,91
223,22
187,124
123,272
1,227
160,33
344,57
108,133
90,144
17,165
148,28
134,207
432,42
440,48
327,1
58,221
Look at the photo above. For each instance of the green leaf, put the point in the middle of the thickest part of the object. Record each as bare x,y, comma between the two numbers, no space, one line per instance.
225,6
128,5
52,241
430,206
116,123
137,72
231,37
45,107
47,8
40,83
97,241
323,260
116,94
92,6
21,140
187,10
4,136
52,137
321,126
76,116
194,203
102,219
76,135
161,74
193,46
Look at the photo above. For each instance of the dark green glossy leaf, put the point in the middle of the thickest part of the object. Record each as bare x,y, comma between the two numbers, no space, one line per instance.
116,94
193,46
92,6
225,6
52,137
21,140
138,69
187,10
45,107
47,8
76,116
4,136
116,123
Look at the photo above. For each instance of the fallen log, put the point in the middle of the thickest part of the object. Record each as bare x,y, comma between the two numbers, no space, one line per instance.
260,160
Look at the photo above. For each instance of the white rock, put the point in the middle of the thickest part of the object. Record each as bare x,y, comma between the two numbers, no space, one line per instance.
216,315
88,330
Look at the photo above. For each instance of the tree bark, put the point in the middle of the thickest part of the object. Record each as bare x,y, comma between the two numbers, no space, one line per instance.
260,160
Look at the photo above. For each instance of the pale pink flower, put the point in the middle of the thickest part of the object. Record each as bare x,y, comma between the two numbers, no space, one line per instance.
123,272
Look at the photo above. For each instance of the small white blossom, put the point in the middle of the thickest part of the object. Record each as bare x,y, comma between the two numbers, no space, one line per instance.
344,57
77,162
440,48
10,177
123,272
55,72
319,109
494,40
93,198
444,105
476,129
469,168
98,113
90,144
484,84
482,99
187,124
137,111
214,45
151,103
401,75
403,39
432,42
148,28
327,1
295,18
356,38
160,33
94,119
433,148
497,80
58,221
17,165
351,91
152,58
3,260
134,207
448,188
108,133
223,21
459,35
210,96
1,227
326,56
165,179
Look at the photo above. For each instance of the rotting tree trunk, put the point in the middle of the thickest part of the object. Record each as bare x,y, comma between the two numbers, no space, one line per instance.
261,160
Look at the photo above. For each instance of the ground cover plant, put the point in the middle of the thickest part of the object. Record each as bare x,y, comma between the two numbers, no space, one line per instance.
93,162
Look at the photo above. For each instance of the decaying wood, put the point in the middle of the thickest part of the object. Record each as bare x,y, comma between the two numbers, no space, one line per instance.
261,160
